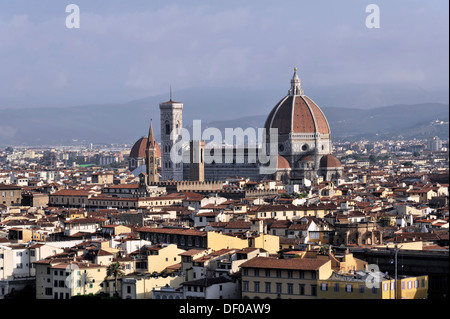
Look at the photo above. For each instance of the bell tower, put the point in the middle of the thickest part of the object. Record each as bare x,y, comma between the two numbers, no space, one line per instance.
152,157
171,125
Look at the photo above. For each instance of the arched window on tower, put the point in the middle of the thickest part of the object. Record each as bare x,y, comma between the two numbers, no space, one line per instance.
167,128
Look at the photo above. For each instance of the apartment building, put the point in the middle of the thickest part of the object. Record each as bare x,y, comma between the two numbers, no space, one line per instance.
63,279
364,285
17,264
10,195
272,278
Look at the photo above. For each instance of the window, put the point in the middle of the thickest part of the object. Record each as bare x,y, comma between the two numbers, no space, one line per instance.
256,286
423,283
278,288
245,271
403,285
267,272
290,289
393,285
416,283
361,289
245,286
313,290
324,286
167,128
48,291
268,287
336,287
349,288
129,289
301,289
374,290
256,272
385,286
278,273
302,274
290,273
313,275
409,284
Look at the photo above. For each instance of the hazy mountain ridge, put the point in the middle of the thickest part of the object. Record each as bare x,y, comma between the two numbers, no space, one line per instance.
127,122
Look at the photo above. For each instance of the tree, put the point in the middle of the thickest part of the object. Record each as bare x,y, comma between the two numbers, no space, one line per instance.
324,249
100,295
28,292
85,279
115,270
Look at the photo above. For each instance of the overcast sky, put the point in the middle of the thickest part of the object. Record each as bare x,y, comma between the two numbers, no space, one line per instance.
127,50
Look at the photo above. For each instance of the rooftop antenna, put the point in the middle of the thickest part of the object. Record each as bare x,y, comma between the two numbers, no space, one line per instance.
171,92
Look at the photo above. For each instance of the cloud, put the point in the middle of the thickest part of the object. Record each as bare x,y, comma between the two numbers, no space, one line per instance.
144,47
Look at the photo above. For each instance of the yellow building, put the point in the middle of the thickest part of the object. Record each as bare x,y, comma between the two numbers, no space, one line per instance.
65,279
272,278
412,287
20,235
159,257
73,213
363,285
218,241
289,211
115,230
340,262
187,261
142,286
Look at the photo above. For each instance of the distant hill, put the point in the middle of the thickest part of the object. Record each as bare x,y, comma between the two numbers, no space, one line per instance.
127,122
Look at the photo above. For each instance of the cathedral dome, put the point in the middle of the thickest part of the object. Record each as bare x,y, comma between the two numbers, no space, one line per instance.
328,161
282,163
139,148
297,113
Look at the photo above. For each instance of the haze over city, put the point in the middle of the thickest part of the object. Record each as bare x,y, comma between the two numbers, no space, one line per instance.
127,51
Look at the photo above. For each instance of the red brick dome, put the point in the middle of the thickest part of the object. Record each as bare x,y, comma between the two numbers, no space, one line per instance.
282,163
297,113
329,161
139,148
